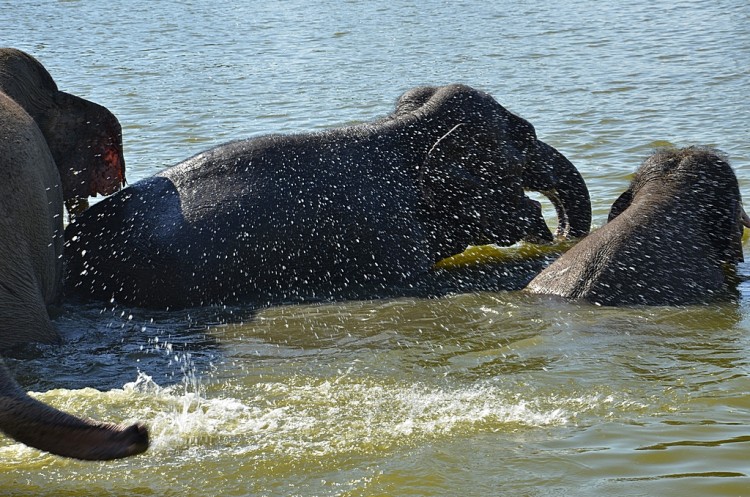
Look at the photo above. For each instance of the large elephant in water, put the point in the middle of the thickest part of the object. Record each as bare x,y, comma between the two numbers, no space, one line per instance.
673,237
350,212
53,146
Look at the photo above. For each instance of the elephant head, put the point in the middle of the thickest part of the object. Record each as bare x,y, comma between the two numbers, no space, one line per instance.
85,139
673,237
717,215
476,170
38,425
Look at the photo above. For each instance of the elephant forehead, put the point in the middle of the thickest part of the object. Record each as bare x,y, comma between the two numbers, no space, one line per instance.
699,165
25,80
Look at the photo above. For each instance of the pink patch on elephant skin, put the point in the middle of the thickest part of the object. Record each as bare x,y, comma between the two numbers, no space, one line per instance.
109,179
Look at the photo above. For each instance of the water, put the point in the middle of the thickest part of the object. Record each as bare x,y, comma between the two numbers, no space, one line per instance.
472,394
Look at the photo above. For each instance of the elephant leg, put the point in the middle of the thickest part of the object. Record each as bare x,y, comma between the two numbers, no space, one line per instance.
23,311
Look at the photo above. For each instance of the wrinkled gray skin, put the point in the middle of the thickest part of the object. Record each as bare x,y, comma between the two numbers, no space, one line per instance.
351,212
45,133
674,237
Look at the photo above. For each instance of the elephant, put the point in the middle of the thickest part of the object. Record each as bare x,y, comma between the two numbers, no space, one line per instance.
673,237
351,212
53,147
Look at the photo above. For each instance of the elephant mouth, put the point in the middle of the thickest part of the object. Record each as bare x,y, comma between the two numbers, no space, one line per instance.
530,226
537,230
110,176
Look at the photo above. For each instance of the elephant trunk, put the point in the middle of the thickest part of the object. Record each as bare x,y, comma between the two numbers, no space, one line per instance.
550,173
38,425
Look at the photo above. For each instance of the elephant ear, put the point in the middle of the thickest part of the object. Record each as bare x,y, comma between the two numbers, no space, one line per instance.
619,205
473,186
448,174
727,237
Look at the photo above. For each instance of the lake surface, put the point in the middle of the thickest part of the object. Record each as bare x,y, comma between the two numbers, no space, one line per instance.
470,394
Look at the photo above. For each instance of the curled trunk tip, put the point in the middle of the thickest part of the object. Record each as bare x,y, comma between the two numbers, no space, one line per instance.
553,175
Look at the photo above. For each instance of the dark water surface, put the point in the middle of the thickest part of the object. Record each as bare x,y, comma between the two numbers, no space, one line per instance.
470,394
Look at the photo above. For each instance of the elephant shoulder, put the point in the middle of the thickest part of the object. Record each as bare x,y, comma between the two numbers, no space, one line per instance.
138,212
25,290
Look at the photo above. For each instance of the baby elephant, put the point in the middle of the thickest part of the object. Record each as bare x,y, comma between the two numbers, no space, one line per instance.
674,237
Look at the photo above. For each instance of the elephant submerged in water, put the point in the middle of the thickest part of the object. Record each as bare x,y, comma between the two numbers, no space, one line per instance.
673,237
350,212
53,147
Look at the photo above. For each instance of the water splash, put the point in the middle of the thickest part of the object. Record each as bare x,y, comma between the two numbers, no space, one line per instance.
177,412
303,417
181,419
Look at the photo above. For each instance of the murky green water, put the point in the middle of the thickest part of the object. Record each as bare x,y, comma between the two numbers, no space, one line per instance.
475,394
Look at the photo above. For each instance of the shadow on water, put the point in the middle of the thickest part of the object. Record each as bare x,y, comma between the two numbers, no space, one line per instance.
105,347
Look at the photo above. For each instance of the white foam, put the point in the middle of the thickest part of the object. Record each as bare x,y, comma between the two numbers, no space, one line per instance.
309,415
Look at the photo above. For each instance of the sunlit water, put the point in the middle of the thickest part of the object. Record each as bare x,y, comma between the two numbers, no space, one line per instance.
470,394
